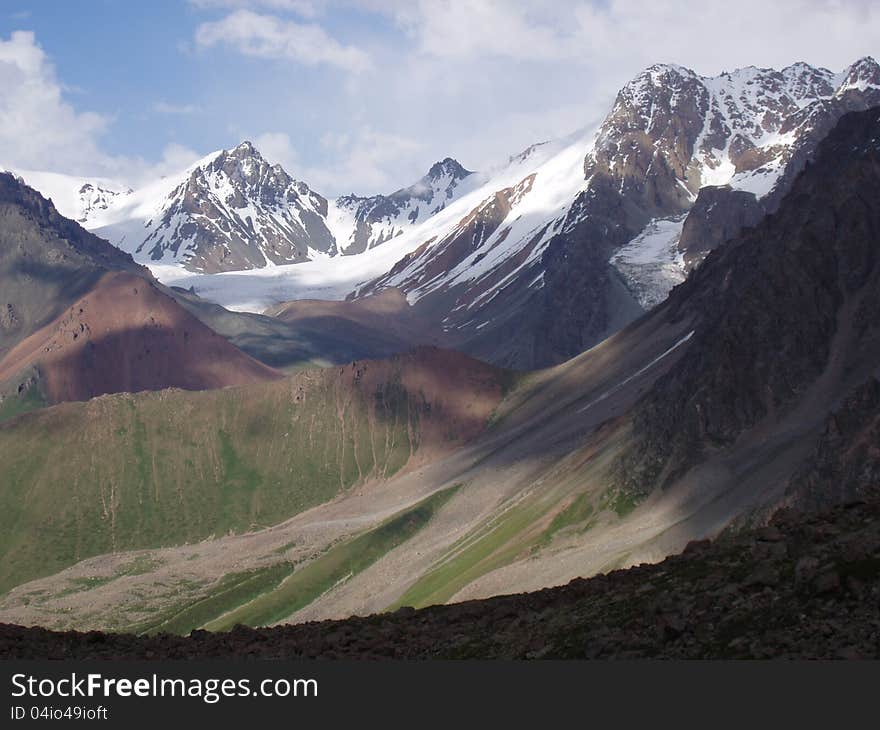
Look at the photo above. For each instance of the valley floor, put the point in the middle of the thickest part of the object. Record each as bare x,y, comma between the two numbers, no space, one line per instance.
805,586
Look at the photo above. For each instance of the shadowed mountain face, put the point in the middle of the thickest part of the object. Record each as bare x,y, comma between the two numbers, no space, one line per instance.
785,316
717,215
315,333
845,466
46,261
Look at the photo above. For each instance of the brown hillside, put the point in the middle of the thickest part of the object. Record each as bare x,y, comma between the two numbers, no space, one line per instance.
126,336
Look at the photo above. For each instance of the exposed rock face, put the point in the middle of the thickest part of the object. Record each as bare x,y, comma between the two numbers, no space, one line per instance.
645,144
8,319
717,215
238,212
795,298
582,301
856,89
752,128
671,134
846,464
806,586
468,236
380,218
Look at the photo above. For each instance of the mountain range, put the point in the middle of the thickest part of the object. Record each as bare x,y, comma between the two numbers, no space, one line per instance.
660,331
524,265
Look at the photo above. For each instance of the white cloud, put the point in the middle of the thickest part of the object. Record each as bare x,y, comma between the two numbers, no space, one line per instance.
480,79
358,161
175,158
714,36
365,160
38,128
614,35
277,148
268,36
529,29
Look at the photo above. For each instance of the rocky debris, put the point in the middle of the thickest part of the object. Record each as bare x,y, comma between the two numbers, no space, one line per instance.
818,598
8,320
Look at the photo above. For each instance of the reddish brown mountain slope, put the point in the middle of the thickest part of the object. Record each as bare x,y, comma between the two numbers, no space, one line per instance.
126,336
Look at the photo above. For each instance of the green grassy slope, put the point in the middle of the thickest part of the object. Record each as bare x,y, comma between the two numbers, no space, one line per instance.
17,404
571,495
231,591
336,565
127,472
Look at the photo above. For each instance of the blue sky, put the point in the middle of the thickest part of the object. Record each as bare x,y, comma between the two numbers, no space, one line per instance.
362,95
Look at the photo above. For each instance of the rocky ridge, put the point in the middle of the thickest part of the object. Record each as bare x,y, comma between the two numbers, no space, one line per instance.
379,218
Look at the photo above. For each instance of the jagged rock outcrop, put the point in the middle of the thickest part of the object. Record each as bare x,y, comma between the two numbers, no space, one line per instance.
718,214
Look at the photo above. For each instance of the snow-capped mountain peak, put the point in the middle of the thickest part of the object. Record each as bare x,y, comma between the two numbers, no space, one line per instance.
232,210
79,198
94,197
447,167
517,246
363,223
863,74
740,128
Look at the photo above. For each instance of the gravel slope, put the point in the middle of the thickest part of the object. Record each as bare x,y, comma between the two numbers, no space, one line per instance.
805,586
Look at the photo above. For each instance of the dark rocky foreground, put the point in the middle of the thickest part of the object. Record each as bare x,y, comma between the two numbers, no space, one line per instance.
805,586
